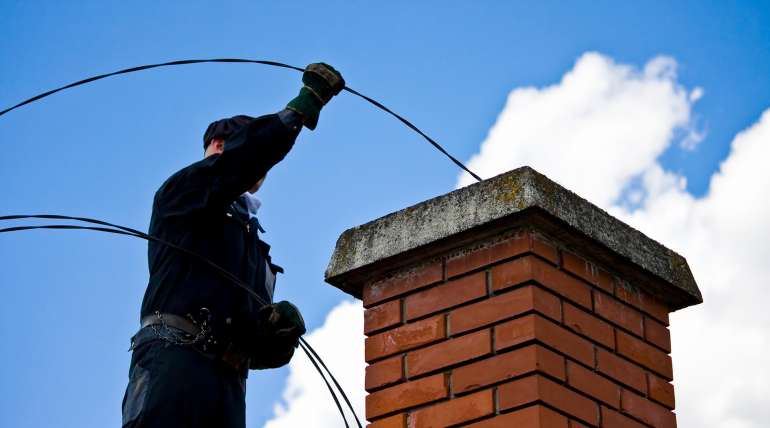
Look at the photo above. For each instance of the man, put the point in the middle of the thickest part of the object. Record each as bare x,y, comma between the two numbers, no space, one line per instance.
199,333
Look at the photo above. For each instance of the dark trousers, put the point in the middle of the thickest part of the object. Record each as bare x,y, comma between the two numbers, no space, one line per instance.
175,386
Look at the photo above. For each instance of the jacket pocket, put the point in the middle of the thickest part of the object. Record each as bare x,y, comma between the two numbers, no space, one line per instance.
139,381
136,394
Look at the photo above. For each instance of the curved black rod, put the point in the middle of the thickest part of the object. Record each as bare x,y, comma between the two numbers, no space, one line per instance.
247,61
131,232
415,129
226,273
339,387
121,230
145,67
328,386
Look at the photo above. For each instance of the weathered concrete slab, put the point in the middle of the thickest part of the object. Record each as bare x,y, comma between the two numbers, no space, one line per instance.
500,202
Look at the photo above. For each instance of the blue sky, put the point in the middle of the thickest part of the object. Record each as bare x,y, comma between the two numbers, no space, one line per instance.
70,300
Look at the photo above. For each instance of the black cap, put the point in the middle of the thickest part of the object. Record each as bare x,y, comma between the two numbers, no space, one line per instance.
224,128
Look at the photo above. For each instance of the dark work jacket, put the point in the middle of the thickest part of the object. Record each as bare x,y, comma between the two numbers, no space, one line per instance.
195,209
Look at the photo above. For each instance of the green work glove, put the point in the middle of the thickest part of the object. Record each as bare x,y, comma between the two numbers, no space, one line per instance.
282,326
286,320
321,83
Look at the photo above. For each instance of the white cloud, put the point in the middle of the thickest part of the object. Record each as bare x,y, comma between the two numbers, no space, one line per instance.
600,132
306,400
696,94
721,348
602,125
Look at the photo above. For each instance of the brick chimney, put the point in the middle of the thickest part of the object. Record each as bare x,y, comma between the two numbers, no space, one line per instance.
513,303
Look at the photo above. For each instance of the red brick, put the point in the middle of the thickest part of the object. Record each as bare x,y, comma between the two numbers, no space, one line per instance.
577,266
529,417
647,411
530,268
642,301
613,419
536,388
487,255
454,411
621,370
576,424
592,384
448,353
534,327
382,316
657,334
445,295
605,281
616,312
543,249
406,337
385,372
403,283
661,391
395,421
506,305
506,366
588,325
645,354
406,395
587,271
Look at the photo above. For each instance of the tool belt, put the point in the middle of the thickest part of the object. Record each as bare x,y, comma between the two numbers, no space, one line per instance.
198,338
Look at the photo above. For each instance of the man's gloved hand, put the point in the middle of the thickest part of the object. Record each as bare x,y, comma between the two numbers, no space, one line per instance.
282,326
321,82
286,320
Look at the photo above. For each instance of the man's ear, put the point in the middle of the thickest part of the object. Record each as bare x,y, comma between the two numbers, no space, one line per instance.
215,146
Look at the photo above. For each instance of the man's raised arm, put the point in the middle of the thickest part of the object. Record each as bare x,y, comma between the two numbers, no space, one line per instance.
241,150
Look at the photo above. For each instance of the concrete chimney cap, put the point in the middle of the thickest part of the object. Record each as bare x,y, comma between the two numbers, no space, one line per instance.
518,198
